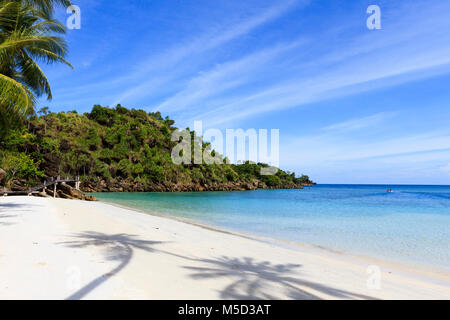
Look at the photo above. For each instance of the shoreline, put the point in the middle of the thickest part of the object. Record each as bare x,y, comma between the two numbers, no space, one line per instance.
427,271
117,253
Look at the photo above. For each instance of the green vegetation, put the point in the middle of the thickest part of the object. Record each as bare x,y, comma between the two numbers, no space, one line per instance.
111,149
19,166
115,147
28,34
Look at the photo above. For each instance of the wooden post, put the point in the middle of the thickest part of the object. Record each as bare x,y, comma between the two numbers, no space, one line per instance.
54,190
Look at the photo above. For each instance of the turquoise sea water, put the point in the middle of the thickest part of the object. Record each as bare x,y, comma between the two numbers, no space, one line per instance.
411,224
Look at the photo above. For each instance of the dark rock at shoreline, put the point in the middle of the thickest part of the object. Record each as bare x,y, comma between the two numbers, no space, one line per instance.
42,195
70,193
124,185
66,191
50,193
90,198
19,185
2,174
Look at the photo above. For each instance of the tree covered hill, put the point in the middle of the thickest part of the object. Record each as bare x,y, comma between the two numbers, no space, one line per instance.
117,149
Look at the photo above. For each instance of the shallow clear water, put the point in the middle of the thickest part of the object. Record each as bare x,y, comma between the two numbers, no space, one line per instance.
411,224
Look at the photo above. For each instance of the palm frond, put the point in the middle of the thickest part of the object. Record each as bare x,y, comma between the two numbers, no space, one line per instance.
47,56
15,95
47,26
26,38
46,7
33,76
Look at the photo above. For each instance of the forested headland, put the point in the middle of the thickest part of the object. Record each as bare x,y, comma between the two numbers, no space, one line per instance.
111,149
119,149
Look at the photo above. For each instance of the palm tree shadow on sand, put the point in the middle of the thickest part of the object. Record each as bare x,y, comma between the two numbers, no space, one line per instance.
7,222
118,247
5,213
252,280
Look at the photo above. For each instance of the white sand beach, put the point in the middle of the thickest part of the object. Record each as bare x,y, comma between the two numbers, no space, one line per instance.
66,249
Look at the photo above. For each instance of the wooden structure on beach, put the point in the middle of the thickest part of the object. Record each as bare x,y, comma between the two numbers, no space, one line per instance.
52,183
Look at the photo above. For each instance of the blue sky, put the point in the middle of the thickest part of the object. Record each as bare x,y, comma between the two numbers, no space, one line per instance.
353,105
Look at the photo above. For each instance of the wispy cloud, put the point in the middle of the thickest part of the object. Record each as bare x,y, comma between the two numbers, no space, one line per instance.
339,156
229,75
360,123
403,52
249,64
331,147
181,56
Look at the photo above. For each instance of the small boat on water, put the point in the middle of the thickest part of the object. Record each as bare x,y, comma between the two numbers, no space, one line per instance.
389,190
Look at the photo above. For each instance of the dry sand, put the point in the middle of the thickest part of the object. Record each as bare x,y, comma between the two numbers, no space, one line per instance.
65,249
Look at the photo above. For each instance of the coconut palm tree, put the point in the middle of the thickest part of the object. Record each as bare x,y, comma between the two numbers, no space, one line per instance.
28,35
46,6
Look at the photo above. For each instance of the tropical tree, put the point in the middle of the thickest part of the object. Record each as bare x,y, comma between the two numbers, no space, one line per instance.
43,110
19,165
28,35
46,6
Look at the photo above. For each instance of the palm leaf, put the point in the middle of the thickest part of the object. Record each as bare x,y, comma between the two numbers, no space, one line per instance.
47,56
26,37
15,95
33,76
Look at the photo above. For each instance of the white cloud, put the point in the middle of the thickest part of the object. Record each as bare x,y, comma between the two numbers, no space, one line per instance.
181,56
330,147
224,77
360,123
402,53
339,158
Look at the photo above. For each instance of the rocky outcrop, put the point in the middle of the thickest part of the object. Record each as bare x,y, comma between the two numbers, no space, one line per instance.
68,192
43,194
65,191
2,174
90,198
124,185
